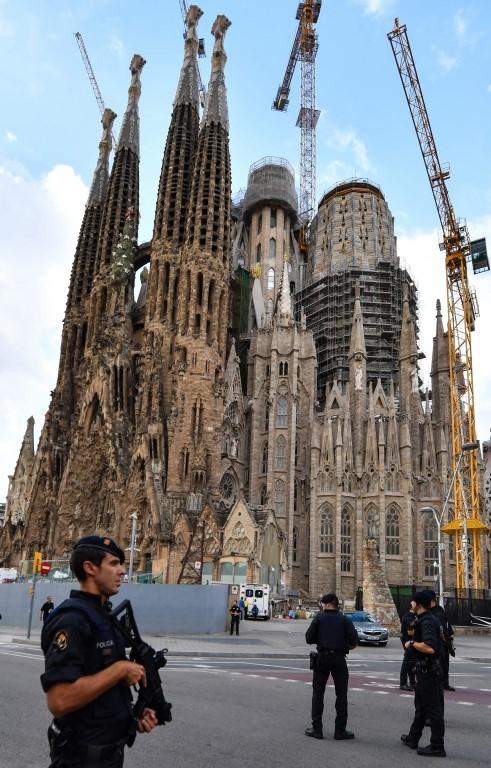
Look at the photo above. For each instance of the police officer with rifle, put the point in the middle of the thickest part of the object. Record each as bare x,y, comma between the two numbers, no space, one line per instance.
428,698
334,635
88,676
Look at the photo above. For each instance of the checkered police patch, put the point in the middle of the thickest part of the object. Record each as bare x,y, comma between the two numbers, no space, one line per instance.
61,640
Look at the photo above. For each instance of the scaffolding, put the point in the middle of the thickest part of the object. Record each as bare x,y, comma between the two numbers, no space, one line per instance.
271,180
328,304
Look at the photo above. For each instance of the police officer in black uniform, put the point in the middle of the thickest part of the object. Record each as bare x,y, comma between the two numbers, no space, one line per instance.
87,676
446,632
334,635
428,699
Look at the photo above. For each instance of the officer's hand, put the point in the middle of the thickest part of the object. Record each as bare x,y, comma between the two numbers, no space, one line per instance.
148,721
133,673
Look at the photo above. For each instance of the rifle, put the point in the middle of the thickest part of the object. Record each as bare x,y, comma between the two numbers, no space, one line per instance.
151,695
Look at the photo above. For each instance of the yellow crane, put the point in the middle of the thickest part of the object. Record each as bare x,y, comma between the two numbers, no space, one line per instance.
466,525
304,49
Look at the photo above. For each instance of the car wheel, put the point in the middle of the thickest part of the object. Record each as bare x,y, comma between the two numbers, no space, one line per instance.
382,645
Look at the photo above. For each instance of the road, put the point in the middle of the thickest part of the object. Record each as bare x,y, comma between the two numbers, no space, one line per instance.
245,712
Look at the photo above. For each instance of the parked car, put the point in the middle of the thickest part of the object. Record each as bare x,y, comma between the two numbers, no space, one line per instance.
368,629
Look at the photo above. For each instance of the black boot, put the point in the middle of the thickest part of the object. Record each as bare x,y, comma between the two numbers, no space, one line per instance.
430,751
314,732
342,735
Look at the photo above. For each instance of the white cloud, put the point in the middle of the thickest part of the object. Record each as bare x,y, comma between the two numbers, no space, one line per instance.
489,88
347,140
460,26
335,171
422,257
375,7
445,61
117,46
10,136
43,217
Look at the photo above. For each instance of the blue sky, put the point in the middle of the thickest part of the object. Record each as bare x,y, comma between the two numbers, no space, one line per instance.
50,128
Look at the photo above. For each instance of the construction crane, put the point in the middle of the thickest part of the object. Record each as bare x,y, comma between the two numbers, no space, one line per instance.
201,52
304,49
93,81
466,525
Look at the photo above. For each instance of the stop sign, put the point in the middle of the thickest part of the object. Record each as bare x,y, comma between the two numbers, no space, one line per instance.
45,567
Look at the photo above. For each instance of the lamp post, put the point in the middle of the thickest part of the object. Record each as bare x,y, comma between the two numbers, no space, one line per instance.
465,447
134,518
271,572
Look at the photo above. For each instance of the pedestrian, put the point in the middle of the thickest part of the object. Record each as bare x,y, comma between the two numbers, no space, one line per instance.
87,676
241,606
428,698
254,610
407,678
447,634
46,609
246,607
334,635
235,618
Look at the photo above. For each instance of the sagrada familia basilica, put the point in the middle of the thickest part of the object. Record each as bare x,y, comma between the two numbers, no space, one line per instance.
260,412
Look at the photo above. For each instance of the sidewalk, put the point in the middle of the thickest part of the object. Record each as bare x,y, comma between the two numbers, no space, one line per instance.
278,638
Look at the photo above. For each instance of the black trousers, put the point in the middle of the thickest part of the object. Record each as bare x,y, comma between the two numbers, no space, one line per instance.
428,704
88,761
445,660
234,622
330,664
407,672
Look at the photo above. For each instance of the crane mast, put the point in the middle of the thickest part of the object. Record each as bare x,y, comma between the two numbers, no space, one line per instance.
93,81
304,49
466,525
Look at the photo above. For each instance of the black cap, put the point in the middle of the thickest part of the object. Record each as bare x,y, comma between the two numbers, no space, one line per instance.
104,543
330,597
424,597
432,593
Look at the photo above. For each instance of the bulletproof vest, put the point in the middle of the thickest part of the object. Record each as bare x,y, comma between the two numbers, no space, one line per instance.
428,616
332,631
106,648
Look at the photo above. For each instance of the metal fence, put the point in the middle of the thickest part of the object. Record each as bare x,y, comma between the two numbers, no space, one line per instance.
460,610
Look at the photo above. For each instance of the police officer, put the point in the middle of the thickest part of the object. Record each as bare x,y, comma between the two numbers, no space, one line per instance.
334,635
407,633
428,699
446,631
87,676
234,618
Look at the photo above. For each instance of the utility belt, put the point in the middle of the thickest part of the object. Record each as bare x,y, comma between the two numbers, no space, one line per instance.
429,667
65,744
322,655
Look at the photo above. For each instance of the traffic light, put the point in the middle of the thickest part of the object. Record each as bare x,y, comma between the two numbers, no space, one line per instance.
36,562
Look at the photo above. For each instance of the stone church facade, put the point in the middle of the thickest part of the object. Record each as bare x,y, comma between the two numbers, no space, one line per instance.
196,403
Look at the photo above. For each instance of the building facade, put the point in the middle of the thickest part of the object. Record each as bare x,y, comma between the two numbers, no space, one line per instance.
261,415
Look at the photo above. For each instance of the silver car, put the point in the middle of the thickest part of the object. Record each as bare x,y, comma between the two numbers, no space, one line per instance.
368,629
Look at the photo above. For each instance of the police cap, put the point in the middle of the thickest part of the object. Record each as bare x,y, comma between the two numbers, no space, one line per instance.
329,597
424,597
432,593
104,543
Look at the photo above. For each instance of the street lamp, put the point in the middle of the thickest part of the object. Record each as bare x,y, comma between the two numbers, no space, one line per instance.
271,572
134,518
465,447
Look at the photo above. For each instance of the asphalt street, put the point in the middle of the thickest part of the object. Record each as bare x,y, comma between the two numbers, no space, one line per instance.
247,712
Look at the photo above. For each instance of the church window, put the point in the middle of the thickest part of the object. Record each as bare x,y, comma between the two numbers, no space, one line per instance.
211,293
346,541
272,223
279,497
272,248
295,495
263,496
199,289
259,223
280,454
258,253
296,451
295,545
264,462
282,412
327,531
430,534
268,371
392,531
266,418
270,279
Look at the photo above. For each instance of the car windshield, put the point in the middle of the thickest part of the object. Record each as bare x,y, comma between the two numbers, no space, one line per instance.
361,616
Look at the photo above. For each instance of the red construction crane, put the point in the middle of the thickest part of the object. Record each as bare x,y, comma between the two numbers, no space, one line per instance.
304,49
466,524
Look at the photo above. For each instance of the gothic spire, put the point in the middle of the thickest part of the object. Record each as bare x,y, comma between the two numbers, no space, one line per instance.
283,308
408,345
123,189
85,253
216,110
182,140
208,223
357,343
